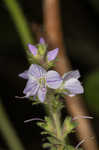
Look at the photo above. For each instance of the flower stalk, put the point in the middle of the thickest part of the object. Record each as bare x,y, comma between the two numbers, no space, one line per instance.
47,87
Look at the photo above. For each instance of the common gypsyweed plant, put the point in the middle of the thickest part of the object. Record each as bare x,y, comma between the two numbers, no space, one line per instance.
48,87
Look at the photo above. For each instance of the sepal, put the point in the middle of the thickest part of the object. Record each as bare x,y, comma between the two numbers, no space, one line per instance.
41,49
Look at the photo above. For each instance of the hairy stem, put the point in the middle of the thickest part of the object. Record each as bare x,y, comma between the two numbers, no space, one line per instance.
55,117
56,122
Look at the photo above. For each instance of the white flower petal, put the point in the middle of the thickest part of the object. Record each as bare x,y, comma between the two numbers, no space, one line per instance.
31,88
24,75
53,79
73,86
36,71
72,74
42,94
71,95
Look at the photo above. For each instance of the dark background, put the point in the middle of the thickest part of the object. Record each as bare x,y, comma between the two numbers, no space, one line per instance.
80,22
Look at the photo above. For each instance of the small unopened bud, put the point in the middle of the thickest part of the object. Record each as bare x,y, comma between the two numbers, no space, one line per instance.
32,49
51,55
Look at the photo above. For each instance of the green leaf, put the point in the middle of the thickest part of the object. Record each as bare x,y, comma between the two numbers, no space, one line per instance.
68,126
54,140
47,126
46,145
92,91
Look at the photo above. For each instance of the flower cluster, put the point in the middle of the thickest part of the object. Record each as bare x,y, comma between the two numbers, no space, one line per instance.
40,80
39,51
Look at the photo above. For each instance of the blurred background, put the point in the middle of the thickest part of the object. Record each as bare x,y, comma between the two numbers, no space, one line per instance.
80,25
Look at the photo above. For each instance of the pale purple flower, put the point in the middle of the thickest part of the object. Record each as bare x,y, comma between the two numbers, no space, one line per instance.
71,84
38,81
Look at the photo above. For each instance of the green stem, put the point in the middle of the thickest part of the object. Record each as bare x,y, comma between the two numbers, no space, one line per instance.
8,132
20,22
56,122
55,117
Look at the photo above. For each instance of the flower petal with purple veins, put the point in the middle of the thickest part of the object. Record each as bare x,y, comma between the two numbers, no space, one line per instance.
42,41
71,74
33,49
73,86
36,71
51,55
31,88
38,81
24,75
53,79
42,93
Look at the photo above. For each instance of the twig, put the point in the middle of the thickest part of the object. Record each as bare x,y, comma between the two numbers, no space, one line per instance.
74,105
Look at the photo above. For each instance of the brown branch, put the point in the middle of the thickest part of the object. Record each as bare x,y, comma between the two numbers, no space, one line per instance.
75,105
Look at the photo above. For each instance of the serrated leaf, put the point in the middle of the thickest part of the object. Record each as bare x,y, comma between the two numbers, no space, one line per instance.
44,132
68,126
54,140
46,145
47,126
